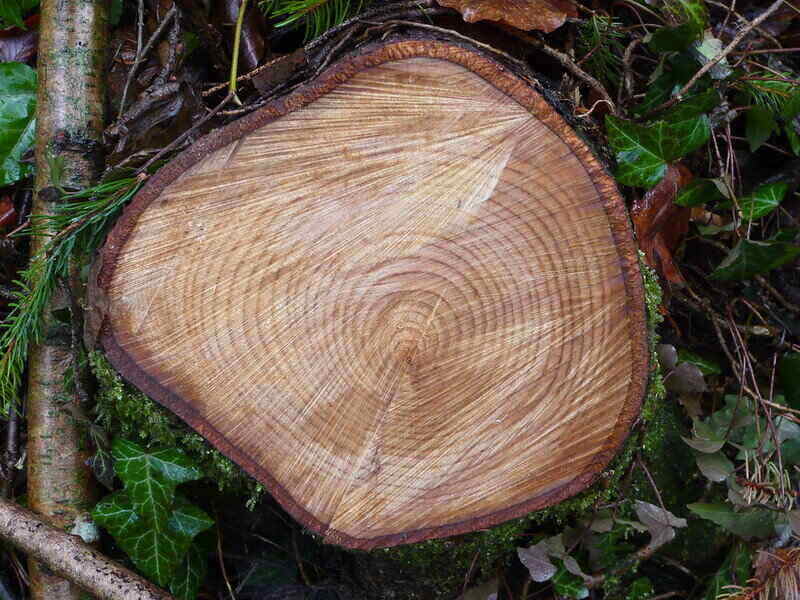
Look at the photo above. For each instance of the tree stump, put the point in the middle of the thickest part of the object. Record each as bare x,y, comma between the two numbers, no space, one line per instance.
405,297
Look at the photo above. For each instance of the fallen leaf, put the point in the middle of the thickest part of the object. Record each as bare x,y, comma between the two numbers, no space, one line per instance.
659,522
686,378
661,224
545,15
536,560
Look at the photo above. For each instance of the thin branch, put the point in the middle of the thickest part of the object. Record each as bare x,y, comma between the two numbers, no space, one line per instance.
70,557
140,55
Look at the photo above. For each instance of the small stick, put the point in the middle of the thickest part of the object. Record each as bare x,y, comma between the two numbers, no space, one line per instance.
178,140
70,557
713,62
140,55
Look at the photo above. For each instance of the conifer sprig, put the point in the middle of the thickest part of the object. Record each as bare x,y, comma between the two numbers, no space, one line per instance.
78,226
319,15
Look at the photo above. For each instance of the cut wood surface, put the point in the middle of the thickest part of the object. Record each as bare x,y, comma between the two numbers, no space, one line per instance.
405,297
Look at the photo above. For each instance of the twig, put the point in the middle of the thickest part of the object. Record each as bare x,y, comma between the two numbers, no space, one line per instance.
298,559
140,55
777,295
70,557
569,64
627,71
222,563
177,141
713,62
11,454
652,483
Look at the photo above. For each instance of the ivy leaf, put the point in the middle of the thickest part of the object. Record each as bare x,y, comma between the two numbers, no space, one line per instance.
659,522
672,39
641,589
17,124
536,561
756,523
715,467
644,151
150,478
155,549
759,126
639,151
699,191
789,377
185,583
569,585
749,258
705,439
189,520
763,200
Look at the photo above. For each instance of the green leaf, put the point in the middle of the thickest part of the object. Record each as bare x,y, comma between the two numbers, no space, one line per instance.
715,467
748,259
150,478
674,71
790,452
672,39
641,589
754,523
706,365
155,549
735,570
189,520
685,135
789,378
17,125
759,126
693,106
569,585
643,151
706,438
763,200
639,151
13,11
185,583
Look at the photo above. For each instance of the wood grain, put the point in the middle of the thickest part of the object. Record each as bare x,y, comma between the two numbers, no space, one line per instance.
405,297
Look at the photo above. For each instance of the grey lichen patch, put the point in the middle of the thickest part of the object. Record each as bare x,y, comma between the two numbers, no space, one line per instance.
124,411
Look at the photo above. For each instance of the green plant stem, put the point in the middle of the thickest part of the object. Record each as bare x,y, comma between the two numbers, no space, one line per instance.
237,38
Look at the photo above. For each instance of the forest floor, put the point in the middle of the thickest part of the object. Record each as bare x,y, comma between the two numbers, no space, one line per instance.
695,106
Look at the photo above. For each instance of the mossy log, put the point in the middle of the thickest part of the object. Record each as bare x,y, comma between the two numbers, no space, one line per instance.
405,297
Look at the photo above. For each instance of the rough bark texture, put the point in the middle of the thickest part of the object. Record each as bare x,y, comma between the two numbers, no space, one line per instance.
69,557
69,126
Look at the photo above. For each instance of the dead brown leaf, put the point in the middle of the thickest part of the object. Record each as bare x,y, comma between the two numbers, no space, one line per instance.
661,224
545,15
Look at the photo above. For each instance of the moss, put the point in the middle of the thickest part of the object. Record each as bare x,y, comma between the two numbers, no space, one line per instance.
124,411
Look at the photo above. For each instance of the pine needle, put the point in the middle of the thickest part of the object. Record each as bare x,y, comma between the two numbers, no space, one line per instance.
78,227
319,15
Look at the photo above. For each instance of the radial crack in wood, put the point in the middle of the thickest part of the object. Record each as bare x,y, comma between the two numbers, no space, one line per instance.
405,297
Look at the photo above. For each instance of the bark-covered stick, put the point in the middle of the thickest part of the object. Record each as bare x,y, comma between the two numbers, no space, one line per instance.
69,557
68,131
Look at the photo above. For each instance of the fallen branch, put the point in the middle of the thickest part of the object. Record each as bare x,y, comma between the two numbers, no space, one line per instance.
68,556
